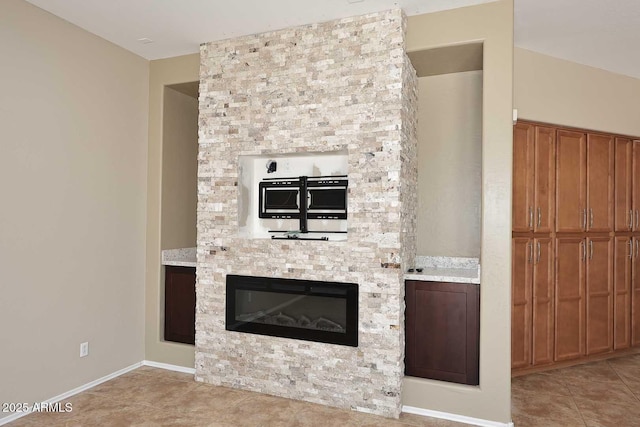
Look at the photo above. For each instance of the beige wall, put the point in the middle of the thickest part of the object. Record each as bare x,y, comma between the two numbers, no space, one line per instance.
556,91
162,72
492,23
73,156
449,164
179,170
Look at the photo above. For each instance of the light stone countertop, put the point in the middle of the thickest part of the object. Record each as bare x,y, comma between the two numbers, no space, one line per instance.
183,257
435,269
446,269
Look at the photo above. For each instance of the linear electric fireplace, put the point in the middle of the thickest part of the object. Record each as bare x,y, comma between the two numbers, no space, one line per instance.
301,309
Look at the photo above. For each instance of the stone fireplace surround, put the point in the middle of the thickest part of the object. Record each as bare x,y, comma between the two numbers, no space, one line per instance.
340,85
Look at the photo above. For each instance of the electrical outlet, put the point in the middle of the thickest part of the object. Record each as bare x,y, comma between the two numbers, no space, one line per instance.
84,349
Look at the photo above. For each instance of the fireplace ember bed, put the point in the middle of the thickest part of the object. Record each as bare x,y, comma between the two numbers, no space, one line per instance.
290,308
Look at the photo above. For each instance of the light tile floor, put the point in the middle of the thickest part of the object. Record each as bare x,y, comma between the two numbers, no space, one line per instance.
599,394
156,397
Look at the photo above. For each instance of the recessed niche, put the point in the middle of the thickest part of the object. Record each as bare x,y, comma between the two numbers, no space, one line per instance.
450,93
290,172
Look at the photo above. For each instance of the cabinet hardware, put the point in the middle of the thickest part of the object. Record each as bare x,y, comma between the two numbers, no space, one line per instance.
636,248
538,261
584,251
630,219
590,217
590,249
530,246
539,217
530,217
636,218
584,219
630,249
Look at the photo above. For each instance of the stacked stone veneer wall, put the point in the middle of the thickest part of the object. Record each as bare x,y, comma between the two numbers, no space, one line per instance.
345,84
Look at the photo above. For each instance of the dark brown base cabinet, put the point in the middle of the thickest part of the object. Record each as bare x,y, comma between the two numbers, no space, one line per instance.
443,331
180,304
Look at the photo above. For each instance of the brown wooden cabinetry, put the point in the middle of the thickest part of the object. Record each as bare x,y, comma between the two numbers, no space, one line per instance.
584,182
635,293
599,293
442,331
584,297
532,298
599,189
522,209
180,304
634,311
575,271
627,185
627,267
635,185
543,300
521,299
623,258
623,185
533,176
570,311
571,178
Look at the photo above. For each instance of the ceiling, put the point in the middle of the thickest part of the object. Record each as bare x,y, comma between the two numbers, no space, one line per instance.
600,33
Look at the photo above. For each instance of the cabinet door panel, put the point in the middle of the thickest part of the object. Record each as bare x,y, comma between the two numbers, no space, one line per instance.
622,185
599,182
180,304
635,294
522,213
570,181
623,252
522,253
569,291
544,179
543,301
599,295
635,185
443,331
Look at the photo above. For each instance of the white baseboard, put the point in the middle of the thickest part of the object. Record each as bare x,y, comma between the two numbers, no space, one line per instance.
454,417
73,392
169,367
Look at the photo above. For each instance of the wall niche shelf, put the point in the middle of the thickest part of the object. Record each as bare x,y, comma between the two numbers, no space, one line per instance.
295,196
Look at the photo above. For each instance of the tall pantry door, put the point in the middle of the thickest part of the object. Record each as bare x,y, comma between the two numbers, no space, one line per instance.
571,175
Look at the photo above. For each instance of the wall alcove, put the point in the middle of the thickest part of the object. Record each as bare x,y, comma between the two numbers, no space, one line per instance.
450,93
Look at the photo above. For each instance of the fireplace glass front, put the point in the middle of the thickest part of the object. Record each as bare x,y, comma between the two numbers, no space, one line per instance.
300,309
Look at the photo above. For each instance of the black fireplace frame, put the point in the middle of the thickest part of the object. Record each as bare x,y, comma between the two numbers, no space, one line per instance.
348,291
